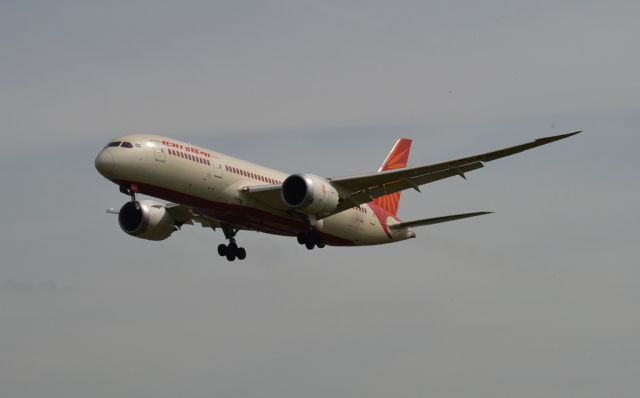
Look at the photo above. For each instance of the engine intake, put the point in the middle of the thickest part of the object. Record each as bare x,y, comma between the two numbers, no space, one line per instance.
309,194
146,220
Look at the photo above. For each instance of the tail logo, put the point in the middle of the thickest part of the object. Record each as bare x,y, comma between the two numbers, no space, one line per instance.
397,159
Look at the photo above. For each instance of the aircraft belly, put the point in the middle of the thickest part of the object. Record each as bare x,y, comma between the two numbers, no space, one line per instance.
350,226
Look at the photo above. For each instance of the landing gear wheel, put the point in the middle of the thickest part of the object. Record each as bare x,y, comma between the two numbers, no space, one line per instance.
301,238
241,253
309,245
320,244
231,251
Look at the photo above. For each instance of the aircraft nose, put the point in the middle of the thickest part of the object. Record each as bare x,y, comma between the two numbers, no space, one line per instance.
105,162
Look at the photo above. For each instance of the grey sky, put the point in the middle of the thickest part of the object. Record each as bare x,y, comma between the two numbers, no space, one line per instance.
539,299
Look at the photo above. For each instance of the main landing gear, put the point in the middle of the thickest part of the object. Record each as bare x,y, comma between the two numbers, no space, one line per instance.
311,239
231,251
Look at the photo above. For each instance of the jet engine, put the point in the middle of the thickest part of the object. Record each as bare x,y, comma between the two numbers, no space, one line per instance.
146,220
309,194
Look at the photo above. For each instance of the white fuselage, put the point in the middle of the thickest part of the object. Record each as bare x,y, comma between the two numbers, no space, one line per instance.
212,183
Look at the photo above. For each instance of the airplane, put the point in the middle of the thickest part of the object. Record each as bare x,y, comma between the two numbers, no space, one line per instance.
220,191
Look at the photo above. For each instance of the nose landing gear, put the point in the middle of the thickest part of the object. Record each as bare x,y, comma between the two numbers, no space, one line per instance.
231,251
130,190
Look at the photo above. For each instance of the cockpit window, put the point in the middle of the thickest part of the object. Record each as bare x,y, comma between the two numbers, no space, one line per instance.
114,143
127,145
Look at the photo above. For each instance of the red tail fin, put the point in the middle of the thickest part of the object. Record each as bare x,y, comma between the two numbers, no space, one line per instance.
397,159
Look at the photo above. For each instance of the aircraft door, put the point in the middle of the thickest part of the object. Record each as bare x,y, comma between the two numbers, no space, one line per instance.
159,152
217,167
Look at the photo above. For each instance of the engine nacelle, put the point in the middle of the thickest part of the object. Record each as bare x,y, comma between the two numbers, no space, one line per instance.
146,220
309,194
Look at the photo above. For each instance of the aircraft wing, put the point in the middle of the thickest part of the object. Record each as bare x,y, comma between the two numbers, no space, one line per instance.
436,220
356,190
364,188
267,194
183,214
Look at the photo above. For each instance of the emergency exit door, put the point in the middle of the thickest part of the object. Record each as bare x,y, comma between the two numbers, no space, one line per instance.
217,167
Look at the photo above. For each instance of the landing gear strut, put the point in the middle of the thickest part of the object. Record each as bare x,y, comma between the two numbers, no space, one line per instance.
311,239
231,251
129,190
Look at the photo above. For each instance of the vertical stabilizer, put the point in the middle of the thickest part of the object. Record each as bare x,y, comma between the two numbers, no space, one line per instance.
397,159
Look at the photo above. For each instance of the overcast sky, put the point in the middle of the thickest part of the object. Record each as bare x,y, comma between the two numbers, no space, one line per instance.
539,299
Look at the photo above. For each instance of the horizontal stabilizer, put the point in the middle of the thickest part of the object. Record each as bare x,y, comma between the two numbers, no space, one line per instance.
437,220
